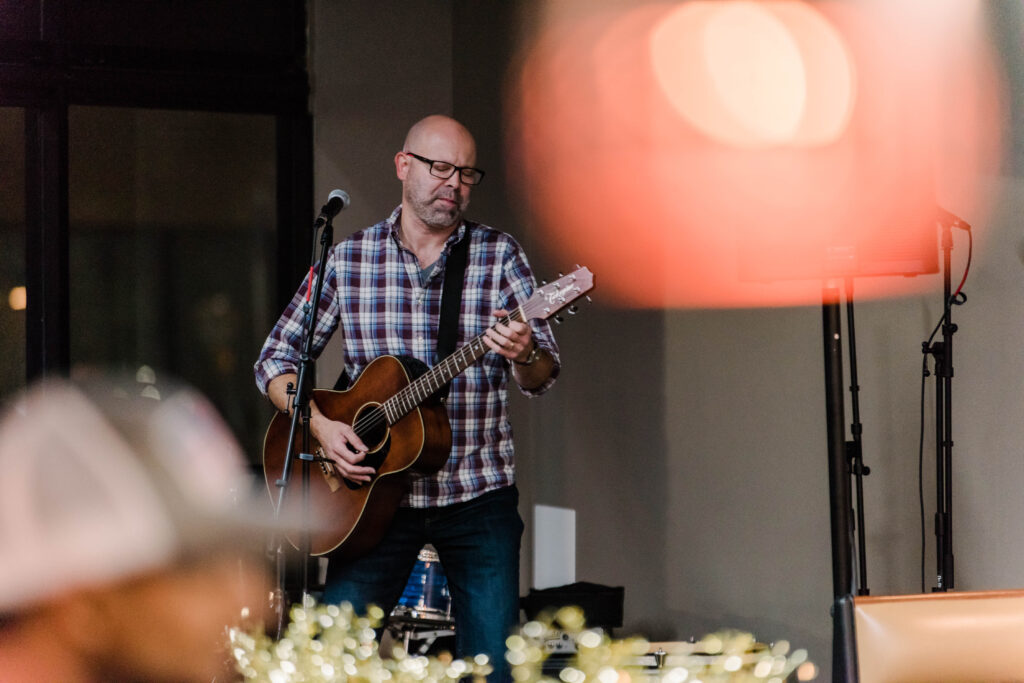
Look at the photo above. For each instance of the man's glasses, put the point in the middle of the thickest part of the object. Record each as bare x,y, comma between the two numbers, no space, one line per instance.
442,169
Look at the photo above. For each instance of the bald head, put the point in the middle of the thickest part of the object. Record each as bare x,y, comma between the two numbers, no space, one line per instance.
438,131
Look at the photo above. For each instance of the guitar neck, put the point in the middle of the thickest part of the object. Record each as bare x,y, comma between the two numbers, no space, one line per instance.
429,382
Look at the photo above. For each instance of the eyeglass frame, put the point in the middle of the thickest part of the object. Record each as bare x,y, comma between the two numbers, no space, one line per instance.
460,169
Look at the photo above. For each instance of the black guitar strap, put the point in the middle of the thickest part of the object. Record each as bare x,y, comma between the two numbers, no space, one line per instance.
451,304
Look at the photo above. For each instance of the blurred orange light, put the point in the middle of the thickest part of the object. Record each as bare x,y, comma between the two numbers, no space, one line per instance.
734,71
734,153
17,299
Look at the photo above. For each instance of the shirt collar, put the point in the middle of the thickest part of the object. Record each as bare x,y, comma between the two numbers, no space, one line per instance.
394,222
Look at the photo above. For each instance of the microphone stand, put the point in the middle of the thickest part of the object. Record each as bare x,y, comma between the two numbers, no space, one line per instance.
300,396
845,459
854,447
942,352
838,473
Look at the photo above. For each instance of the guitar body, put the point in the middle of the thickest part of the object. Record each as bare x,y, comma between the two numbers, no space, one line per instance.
344,516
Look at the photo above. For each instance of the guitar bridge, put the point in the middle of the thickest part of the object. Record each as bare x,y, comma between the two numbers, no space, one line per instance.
328,470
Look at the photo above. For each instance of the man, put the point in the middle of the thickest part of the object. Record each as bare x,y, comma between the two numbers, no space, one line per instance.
382,287
127,548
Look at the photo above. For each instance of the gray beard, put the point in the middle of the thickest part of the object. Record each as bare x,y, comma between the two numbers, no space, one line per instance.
438,218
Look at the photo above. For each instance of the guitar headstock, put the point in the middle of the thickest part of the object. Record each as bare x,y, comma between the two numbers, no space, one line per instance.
553,297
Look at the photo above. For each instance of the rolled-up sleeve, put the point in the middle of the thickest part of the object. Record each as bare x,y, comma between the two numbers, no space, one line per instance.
282,350
518,285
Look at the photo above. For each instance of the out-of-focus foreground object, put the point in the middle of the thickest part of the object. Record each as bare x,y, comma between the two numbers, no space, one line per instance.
131,533
973,635
736,153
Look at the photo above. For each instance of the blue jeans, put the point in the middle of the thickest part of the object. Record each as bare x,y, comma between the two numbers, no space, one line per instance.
477,543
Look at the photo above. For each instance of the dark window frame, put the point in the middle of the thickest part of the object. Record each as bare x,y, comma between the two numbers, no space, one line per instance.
46,74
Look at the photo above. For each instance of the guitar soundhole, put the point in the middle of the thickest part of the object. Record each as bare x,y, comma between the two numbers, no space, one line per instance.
372,427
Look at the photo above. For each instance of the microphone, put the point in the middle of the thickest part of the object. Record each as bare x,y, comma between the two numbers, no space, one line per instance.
952,219
336,201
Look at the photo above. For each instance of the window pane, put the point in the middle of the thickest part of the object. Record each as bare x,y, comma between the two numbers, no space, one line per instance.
12,250
172,224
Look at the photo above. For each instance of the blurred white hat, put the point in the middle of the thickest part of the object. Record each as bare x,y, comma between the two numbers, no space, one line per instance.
98,482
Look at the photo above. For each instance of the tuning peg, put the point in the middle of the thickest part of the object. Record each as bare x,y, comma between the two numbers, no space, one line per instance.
543,282
559,319
573,309
561,274
589,300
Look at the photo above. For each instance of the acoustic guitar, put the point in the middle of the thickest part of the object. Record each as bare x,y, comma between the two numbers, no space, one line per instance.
393,407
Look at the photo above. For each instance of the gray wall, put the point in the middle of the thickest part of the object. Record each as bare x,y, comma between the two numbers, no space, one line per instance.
692,443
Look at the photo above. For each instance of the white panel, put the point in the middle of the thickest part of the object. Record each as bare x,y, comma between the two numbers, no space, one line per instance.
554,546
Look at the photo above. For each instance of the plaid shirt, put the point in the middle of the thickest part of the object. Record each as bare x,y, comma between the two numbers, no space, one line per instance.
373,291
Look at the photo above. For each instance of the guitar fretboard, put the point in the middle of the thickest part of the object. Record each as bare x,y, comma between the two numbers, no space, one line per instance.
418,390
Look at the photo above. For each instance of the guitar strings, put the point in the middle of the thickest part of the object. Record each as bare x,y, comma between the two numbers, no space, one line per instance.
434,375
409,393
